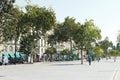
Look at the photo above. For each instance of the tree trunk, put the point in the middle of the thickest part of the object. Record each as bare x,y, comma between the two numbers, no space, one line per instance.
31,59
70,44
81,57
78,55
115,59
15,49
106,54
35,57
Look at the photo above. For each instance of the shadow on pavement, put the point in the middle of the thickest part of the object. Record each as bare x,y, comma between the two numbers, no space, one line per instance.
2,76
64,64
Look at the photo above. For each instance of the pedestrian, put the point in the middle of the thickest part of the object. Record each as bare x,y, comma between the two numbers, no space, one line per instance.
89,59
0,58
5,60
0,61
29,59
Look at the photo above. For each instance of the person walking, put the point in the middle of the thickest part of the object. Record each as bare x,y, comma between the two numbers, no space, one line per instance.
89,59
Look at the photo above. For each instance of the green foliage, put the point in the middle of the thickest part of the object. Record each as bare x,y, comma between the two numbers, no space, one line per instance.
36,22
28,45
39,20
8,20
13,28
98,51
85,34
118,46
118,37
105,44
52,39
114,52
25,45
50,50
6,5
64,31
65,51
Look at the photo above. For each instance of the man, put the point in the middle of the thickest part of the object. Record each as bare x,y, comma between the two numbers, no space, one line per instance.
89,59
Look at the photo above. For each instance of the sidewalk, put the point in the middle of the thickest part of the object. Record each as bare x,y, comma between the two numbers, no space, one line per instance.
73,70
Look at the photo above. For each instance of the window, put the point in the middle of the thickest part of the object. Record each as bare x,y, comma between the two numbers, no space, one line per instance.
11,48
42,50
5,48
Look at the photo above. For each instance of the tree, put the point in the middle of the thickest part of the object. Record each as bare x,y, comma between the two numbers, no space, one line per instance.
6,5
63,31
52,39
6,18
27,44
51,51
118,37
11,32
10,16
118,41
64,52
105,44
84,35
114,53
98,51
35,22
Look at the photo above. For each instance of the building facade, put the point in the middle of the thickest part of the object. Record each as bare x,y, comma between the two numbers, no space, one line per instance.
9,47
42,46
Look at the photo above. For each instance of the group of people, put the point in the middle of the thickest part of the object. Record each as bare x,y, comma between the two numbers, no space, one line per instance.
5,60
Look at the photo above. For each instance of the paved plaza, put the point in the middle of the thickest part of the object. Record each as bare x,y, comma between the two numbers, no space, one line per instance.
72,70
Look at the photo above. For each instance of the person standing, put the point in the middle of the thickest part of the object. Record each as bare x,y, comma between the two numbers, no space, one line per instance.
5,60
0,61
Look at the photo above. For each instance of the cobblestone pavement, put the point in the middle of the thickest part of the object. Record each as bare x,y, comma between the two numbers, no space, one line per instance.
72,70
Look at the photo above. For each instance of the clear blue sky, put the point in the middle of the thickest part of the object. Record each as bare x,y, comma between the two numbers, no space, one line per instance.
105,13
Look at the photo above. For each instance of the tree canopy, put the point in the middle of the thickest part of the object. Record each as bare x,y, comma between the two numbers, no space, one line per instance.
118,37
7,17
35,22
105,44
85,34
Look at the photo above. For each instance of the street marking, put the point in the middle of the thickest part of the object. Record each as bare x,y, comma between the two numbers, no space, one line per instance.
115,74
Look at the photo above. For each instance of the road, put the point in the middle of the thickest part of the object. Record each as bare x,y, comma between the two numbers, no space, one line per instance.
73,70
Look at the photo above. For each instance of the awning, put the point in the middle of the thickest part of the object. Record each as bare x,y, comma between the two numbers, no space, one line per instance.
17,54
12,55
5,54
22,55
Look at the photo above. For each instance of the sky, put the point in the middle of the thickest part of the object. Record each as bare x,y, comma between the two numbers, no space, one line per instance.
105,13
